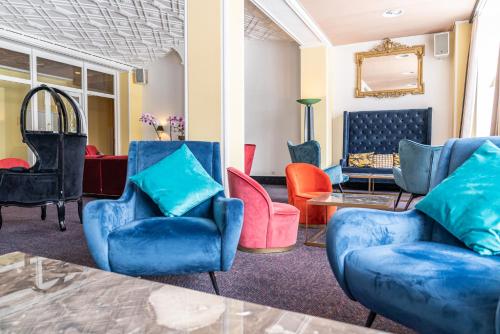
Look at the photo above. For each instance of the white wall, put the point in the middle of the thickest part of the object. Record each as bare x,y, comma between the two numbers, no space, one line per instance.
163,96
436,77
272,84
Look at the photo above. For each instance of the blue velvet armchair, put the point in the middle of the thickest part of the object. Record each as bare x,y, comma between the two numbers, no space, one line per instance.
418,166
131,236
406,267
310,153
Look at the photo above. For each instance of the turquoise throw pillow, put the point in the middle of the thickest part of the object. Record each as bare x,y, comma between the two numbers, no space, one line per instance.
177,183
467,203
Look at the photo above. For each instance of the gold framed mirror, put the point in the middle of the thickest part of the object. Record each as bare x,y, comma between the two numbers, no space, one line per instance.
390,70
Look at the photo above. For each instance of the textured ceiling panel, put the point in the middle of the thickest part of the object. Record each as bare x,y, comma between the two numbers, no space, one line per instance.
130,31
259,26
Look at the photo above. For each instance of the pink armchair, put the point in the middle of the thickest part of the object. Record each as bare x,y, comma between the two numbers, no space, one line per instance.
268,227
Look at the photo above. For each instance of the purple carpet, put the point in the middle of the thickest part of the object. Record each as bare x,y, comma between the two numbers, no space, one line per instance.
300,280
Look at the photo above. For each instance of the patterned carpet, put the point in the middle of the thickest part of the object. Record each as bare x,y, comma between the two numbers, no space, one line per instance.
300,280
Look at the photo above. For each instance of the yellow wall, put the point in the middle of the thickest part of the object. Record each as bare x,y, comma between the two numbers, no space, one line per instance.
135,109
208,106
101,123
124,113
11,97
460,42
315,84
204,61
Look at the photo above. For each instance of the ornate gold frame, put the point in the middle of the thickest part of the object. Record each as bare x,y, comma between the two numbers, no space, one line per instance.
389,47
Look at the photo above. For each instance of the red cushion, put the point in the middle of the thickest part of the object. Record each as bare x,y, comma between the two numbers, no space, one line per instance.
284,209
13,162
91,150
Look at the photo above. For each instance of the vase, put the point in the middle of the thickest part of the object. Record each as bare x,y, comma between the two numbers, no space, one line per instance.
181,137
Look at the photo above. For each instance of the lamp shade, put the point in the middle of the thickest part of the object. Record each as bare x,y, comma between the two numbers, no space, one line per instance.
308,102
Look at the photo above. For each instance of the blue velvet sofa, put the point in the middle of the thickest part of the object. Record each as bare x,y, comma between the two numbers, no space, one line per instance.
406,267
131,236
380,132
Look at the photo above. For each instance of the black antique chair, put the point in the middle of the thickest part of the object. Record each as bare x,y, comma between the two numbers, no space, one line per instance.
56,177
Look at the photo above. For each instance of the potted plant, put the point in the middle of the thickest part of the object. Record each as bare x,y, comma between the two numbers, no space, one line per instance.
177,125
149,119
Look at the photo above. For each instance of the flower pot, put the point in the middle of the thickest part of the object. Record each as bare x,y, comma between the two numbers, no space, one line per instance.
181,137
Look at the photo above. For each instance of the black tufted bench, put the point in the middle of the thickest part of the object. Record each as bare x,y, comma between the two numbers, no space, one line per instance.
380,132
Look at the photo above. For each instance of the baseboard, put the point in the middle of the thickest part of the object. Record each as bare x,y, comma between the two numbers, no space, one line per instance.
272,180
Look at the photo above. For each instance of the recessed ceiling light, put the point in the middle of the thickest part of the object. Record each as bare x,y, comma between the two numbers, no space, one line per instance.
402,56
393,12
408,73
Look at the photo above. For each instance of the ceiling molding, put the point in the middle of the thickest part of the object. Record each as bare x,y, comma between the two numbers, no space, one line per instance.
290,16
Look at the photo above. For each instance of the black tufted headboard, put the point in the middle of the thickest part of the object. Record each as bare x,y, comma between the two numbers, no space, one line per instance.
381,131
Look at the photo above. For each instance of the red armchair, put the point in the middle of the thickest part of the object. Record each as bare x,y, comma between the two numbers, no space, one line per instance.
249,154
305,181
104,175
268,227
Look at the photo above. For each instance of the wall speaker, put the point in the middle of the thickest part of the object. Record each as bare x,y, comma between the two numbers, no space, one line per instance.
140,76
442,44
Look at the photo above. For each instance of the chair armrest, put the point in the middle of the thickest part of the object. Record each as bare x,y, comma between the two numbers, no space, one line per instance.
353,229
335,174
228,215
100,218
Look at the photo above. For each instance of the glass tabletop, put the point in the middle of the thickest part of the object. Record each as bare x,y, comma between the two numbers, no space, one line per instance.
354,200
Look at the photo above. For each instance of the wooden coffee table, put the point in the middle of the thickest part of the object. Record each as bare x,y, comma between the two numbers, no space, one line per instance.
345,200
371,177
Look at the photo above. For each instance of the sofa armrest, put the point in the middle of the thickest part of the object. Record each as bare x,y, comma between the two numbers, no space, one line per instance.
100,218
228,215
353,229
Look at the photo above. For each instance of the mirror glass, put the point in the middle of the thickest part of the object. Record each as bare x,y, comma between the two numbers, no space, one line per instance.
389,72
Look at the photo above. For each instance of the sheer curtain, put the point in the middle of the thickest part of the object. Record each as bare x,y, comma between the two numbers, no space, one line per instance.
482,71
495,120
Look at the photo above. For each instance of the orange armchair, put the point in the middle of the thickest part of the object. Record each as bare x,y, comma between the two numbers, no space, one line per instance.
305,181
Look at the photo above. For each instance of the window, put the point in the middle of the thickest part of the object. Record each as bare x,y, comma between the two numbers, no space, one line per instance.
57,73
14,64
100,82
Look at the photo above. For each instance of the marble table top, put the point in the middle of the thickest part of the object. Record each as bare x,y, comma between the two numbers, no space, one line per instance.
40,295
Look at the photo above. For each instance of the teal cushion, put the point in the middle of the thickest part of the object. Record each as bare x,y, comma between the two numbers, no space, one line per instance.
177,183
467,203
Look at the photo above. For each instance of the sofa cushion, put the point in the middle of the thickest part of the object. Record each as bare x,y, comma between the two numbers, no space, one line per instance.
430,287
138,248
383,161
467,203
361,159
177,183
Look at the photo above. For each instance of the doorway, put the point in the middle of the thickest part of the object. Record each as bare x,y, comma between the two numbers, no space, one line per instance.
101,123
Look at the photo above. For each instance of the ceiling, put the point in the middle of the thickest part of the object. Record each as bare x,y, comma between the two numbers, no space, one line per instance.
133,32
353,21
259,26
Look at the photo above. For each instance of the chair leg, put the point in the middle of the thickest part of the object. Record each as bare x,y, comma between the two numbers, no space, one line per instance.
1,217
80,209
44,212
398,199
61,213
412,197
214,282
370,319
340,188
